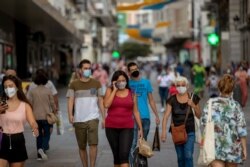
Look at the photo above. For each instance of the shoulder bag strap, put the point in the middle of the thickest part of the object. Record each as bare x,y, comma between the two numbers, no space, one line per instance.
187,113
188,110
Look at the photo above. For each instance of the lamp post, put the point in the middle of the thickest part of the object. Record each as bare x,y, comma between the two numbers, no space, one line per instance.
236,20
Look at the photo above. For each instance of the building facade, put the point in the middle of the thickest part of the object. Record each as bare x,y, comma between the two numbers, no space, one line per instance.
51,34
244,28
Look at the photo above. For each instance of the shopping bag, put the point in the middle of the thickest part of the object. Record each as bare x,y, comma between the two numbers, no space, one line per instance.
59,124
139,160
207,146
197,129
156,141
144,148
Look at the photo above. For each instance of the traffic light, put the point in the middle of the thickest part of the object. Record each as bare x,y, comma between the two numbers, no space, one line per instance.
116,54
213,39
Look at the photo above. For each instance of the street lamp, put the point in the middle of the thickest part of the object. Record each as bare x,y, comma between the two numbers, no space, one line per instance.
236,19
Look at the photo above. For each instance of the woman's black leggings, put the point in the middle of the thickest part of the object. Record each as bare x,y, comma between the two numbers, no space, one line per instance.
120,141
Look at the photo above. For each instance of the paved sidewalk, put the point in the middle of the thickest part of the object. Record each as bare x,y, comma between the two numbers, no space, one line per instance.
64,152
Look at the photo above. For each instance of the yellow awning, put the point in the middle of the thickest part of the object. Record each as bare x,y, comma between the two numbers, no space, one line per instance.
135,34
137,6
163,24
129,7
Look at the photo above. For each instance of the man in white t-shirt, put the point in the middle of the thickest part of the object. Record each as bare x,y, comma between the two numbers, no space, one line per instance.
85,94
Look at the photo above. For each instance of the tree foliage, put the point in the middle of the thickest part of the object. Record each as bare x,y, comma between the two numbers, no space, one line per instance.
131,50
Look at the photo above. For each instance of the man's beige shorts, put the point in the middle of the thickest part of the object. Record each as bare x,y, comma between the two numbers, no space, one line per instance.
86,132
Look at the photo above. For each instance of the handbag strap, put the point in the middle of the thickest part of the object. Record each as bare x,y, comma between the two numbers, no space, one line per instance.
187,113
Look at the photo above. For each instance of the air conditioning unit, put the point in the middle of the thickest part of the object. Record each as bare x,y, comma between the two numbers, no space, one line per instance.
81,24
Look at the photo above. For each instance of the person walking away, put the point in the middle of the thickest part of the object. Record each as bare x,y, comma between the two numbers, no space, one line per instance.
229,126
13,151
85,94
242,80
54,74
119,123
178,106
143,90
10,72
180,69
164,82
54,92
212,84
187,70
199,73
42,101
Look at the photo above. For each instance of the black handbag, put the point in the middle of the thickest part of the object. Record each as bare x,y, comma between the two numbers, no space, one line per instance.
139,160
156,142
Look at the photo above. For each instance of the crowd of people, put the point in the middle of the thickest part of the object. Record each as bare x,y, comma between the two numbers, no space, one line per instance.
123,105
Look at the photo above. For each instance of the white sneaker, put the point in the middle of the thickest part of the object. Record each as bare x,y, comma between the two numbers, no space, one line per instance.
162,109
43,155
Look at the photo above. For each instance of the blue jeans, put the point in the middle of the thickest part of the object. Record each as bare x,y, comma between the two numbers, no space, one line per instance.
185,152
42,140
163,91
146,127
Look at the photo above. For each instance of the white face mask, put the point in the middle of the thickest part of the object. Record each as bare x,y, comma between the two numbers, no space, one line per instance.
121,85
10,92
181,89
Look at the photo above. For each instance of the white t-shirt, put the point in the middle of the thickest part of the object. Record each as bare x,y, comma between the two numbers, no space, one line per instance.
172,76
165,80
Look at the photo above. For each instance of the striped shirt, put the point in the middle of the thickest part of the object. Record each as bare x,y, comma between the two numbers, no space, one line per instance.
85,99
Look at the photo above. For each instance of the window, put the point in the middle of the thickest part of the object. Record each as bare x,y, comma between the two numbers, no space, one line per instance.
244,10
138,19
144,18
245,46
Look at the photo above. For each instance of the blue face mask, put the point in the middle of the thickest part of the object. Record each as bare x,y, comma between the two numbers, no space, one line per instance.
86,73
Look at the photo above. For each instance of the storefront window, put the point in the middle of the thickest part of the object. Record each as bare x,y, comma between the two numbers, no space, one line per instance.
39,56
6,56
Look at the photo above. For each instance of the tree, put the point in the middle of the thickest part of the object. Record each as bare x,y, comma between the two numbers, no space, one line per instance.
131,50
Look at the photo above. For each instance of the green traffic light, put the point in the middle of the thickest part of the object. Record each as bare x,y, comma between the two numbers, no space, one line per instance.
116,54
213,39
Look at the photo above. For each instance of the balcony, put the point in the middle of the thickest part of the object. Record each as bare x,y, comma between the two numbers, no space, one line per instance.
180,17
40,15
103,10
